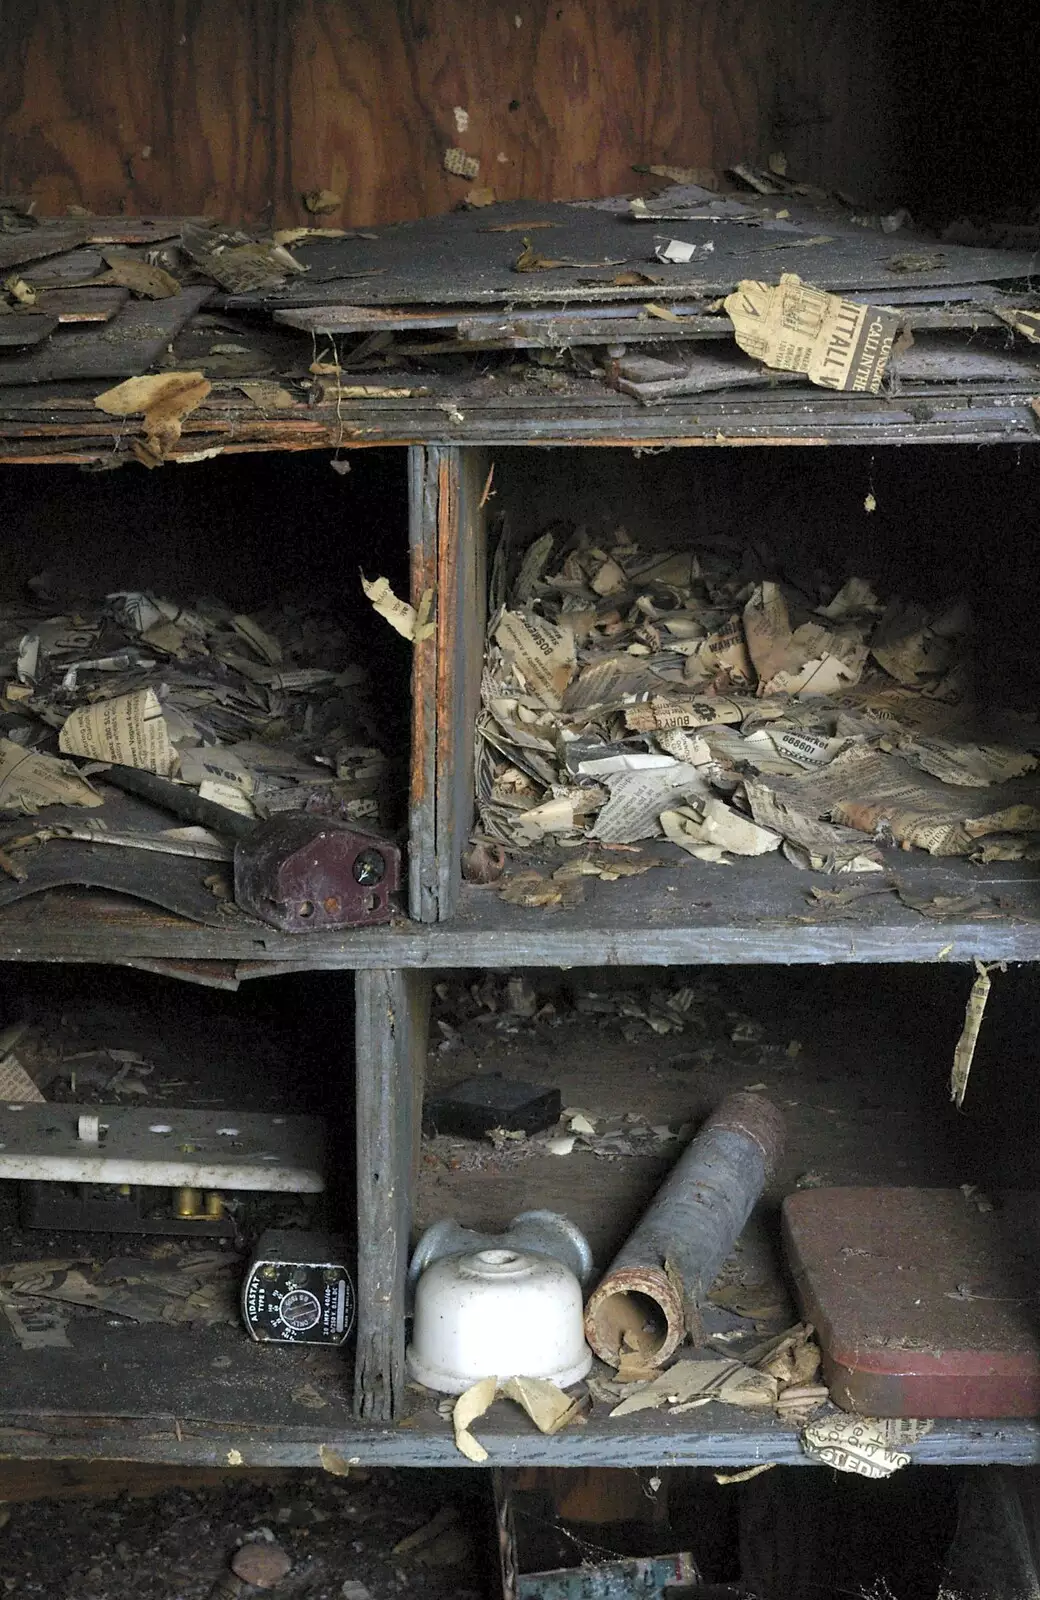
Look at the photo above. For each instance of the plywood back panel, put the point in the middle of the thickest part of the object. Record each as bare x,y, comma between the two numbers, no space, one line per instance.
236,107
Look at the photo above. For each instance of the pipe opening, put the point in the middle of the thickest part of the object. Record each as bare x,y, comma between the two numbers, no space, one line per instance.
630,1321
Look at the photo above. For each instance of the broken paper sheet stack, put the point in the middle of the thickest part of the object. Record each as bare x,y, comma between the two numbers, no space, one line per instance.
630,694
259,714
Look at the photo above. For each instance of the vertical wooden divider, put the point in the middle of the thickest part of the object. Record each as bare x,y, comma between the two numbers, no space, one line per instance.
391,1022
447,544
422,827
446,541
461,622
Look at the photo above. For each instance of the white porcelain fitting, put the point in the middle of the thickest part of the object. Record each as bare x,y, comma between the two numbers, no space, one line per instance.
534,1233
497,1313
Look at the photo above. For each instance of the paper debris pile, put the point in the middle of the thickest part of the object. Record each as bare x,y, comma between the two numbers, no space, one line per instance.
781,1375
258,713
192,1286
701,696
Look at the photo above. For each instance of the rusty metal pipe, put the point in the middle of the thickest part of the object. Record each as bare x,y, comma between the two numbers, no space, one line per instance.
649,1298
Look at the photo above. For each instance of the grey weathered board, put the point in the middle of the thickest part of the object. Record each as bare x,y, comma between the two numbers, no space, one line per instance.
755,911
422,815
120,1368
129,344
135,230
49,239
163,1431
391,1020
45,426
60,271
455,259
85,304
24,328
540,327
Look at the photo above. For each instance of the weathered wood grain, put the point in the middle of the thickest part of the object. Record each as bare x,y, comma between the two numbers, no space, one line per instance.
83,305
238,109
717,1436
127,345
119,107
422,815
391,1018
20,331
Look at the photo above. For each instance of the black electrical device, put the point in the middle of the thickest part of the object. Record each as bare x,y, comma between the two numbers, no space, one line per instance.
471,1109
298,1289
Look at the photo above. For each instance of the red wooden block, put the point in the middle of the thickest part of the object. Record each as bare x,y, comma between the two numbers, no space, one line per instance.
925,1305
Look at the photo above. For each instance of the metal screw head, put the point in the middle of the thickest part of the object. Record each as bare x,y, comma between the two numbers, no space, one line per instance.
369,867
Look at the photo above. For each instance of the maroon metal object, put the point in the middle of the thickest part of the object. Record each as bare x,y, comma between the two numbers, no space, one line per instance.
925,1305
300,873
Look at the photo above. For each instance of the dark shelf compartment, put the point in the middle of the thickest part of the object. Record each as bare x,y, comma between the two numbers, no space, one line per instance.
865,1101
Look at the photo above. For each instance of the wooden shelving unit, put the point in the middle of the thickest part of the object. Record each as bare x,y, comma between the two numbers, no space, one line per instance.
564,101
754,913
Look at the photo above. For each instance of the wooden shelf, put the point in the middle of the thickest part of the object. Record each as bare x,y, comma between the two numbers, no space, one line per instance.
755,911
458,413
212,1398
683,912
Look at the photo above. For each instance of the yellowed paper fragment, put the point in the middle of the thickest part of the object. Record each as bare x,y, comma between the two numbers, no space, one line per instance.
265,645
548,1407
693,1383
478,1398
1024,322
542,654
661,713
853,1444
793,327
399,613
130,730
964,1051
267,395
713,823
165,398
637,800
227,795
16,1086
973,766
29,781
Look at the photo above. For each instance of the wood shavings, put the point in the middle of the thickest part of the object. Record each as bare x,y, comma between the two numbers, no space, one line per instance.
20,291
531,889
746,1475
529,260
293,236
